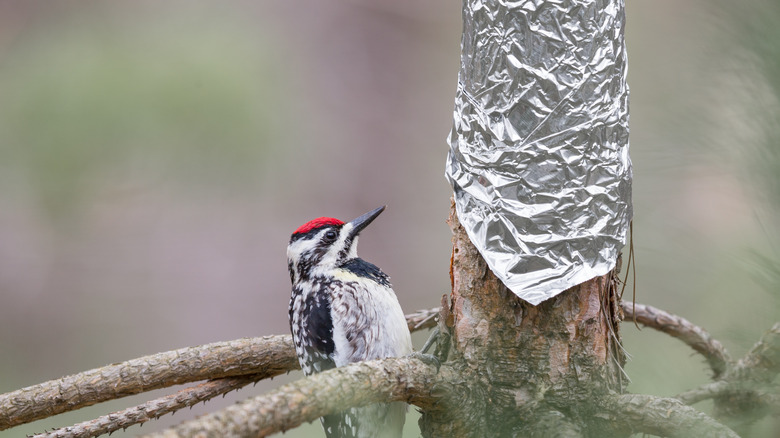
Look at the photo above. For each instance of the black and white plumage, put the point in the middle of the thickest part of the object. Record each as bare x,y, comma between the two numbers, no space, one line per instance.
343,310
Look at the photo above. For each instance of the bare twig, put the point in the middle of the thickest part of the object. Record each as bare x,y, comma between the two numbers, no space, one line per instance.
395,379
153,409
269,356
422,319
696,337
663,417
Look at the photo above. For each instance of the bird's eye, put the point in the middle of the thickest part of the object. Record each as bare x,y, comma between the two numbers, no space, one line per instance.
331,235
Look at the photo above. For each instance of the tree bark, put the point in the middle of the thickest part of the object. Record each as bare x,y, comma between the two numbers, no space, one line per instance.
528,366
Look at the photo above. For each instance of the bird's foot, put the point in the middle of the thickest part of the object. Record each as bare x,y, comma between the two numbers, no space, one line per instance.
428,359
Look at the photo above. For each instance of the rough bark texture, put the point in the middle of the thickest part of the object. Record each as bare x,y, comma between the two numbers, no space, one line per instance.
534,364
150,410
663,417
266,357
252,358
398,379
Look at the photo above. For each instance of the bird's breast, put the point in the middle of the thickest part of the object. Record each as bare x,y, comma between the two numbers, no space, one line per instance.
368,322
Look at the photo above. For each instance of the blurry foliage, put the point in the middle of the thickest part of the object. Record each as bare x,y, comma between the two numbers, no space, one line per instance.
135,95
756,46
758,33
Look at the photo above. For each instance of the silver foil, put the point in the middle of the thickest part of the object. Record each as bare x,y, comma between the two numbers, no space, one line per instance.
538,154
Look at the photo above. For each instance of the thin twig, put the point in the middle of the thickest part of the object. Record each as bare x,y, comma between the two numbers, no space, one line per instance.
422,319
629,265
152,409
696,337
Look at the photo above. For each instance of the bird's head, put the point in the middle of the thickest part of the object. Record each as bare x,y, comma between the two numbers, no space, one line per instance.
324,243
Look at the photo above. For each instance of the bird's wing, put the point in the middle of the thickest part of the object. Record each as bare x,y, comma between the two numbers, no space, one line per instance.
312,329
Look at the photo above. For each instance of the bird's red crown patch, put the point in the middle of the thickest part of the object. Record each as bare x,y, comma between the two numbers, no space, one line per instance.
317,223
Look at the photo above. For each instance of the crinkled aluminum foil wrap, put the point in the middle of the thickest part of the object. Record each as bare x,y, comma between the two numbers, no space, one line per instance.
539,148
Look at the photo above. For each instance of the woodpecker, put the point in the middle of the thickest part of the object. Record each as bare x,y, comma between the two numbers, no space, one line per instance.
343,310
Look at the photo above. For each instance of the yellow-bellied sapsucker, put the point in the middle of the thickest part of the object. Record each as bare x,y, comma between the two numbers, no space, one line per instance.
343,310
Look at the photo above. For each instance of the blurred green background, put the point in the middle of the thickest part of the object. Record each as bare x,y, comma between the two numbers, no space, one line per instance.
155,156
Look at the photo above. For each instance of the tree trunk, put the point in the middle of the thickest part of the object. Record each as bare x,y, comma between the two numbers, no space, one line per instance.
531,370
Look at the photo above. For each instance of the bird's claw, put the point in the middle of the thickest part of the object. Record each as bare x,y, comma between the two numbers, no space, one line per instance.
428,359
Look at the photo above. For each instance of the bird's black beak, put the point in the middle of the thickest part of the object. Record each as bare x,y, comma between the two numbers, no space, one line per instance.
361,222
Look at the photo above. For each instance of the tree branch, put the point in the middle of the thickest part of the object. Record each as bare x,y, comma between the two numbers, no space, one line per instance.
269,356
759,367
395,379
422,319
676,326
552,424
663,417
696,337
762,362
153,409
705,392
